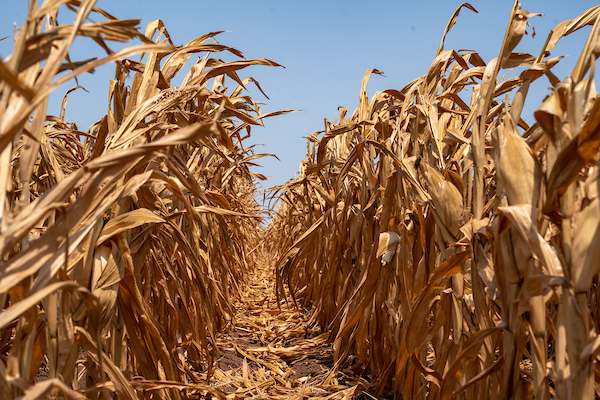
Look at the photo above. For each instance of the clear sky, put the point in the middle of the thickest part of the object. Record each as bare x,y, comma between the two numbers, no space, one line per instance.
325,46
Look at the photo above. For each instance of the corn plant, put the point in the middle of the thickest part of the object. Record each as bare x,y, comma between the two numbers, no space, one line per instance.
449,245
122,246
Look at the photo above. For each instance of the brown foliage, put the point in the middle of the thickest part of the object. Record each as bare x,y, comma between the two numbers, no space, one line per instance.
128,240
493,285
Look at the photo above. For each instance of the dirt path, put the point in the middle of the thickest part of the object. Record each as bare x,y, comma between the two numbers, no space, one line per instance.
273,354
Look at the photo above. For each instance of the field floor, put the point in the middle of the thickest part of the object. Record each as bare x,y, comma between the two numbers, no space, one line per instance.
272,353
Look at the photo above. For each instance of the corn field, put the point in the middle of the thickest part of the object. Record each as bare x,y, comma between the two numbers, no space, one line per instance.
449,246
443,246
127,241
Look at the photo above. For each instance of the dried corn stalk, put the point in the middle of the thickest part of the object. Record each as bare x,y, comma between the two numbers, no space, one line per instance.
125,242
493,285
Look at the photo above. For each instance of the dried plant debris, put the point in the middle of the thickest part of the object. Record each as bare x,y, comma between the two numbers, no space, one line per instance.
273,352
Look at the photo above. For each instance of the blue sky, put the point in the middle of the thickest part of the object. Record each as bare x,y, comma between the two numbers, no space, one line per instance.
326,47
